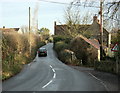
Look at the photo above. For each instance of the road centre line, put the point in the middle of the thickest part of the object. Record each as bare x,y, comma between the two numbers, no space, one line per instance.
53,70
100,81
54,76
51,66
47,84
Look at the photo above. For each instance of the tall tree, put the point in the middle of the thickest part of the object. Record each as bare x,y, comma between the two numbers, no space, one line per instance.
44,32
112,14
72,19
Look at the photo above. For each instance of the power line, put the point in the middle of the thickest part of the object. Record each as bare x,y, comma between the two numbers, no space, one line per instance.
75,4
54,2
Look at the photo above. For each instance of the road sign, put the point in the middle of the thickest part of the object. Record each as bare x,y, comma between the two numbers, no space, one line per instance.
115,48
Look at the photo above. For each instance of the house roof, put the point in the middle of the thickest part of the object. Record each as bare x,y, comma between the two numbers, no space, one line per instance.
92,28
60,29
9,29
93,42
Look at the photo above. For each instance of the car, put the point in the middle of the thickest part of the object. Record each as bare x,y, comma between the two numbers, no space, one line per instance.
42,52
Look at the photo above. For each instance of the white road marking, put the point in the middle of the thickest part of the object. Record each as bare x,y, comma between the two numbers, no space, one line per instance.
54,76
51,66
94,77
47,84
53,70
99,80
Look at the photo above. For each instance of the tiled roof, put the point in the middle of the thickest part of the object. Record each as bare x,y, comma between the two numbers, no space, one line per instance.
93,42
60,29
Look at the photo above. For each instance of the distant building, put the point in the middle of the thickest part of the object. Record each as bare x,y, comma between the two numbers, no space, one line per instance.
22,30
8,30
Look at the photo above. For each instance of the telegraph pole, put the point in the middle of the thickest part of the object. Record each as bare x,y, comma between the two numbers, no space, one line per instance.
101,29
29,30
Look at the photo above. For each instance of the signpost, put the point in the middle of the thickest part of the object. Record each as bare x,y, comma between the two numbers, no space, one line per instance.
115,48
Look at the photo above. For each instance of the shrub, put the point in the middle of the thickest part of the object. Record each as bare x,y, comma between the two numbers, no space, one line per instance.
15,52
92,56
107,66
58,38
50,39
68,57
79,46
59,46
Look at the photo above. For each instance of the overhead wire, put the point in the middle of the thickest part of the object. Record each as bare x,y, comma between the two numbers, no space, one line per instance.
75,4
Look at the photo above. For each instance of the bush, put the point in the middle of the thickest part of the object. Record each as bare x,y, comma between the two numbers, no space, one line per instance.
79,46
107,66
15,52
50,39
67,57
59,46
63,38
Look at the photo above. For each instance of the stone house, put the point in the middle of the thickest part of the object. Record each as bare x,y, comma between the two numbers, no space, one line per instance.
94,36
94,49
92,29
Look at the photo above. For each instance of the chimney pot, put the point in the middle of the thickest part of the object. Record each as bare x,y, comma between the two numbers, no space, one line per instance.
55,23
3,26
95,18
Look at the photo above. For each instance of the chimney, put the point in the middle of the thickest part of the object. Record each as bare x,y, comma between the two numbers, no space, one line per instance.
55,23
95,19
3,26
55,28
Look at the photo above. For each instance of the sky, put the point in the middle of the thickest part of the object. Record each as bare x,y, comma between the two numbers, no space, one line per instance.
14,13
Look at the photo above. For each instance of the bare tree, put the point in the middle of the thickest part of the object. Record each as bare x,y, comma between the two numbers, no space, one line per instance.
73,19
112,14
87,18
111,11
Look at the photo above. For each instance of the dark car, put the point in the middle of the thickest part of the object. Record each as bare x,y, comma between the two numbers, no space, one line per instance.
42,52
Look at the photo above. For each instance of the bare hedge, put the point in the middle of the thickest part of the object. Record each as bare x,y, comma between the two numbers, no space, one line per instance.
15,52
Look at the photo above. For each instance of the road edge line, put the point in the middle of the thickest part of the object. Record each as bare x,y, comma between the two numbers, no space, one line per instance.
99,80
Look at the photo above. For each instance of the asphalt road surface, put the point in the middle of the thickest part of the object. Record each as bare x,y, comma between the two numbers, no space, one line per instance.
50,74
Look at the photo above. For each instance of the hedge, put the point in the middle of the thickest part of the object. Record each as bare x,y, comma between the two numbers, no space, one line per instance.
107,66
15,52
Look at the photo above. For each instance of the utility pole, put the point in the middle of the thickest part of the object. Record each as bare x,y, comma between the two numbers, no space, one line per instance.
37,26
29,31
101,29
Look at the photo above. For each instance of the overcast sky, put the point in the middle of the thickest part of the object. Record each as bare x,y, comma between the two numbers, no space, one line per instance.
14,13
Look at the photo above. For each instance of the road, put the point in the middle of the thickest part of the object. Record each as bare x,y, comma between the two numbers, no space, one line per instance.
50,74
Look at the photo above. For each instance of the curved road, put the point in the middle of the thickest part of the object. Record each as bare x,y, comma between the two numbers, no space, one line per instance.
50,74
